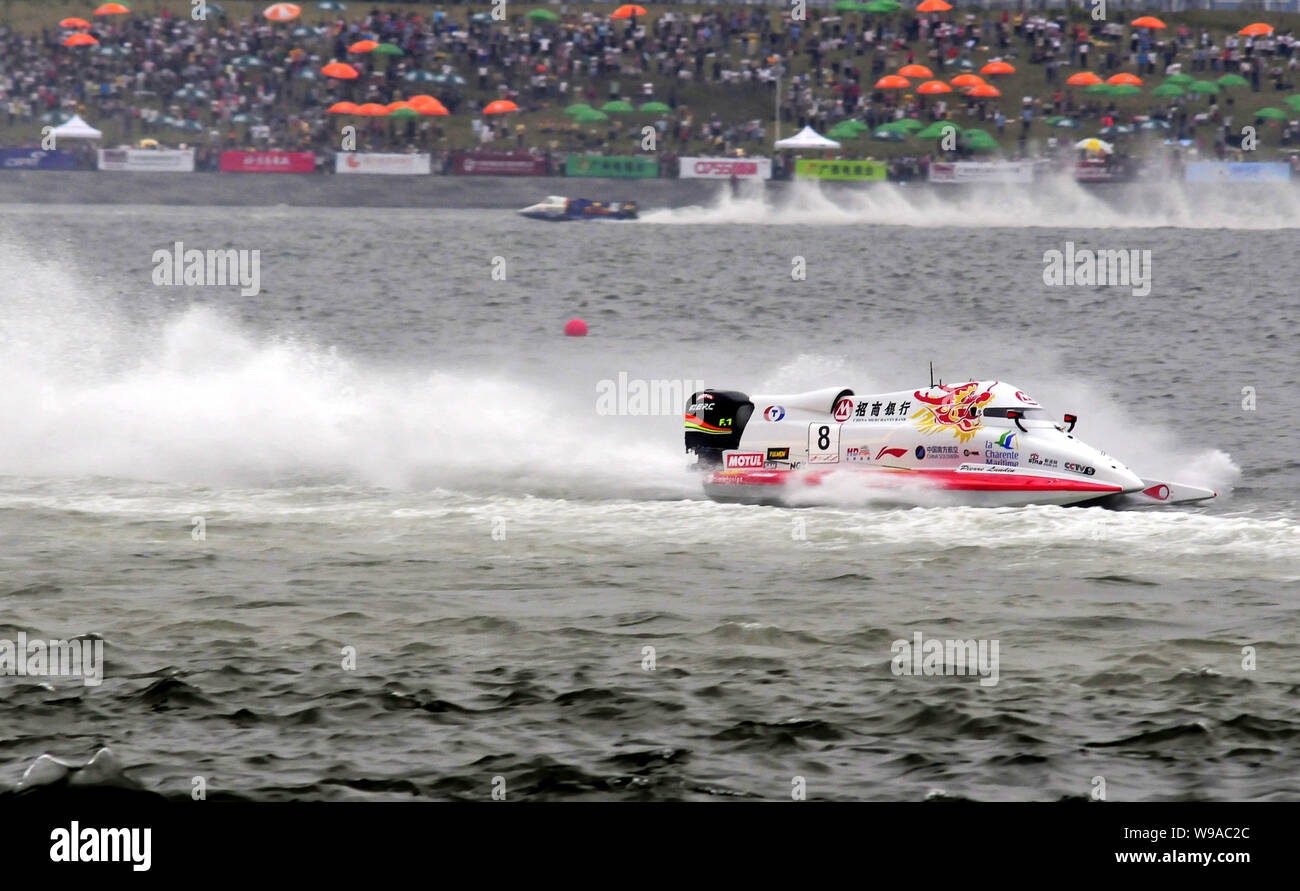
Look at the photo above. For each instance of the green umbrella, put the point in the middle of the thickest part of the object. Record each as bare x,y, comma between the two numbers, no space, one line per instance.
112,52
1064,123
240,118
617,106
1293,100
884,135
655,107
856,125
578,107
1115,130
846,6
190,94
543,15
403,113
882,6
1155,124
910,125
421,77
896,127
387,49
1272,114
300,31
480,18
841,132
590,116
453,79
1181,79
247,62
332,5
1125,90
1100,89
984,144
55,117
1233,80
1167,89
1203,86
216,9
937,130
307,74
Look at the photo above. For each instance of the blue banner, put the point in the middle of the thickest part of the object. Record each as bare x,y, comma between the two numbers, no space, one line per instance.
1241,172
36,159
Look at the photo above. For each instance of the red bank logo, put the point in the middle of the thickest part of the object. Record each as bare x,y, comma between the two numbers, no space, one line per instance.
745,461
896,453
843,409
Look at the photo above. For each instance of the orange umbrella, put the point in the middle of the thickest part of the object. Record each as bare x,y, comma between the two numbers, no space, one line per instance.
893,82
966,80
985,91
934,86
915,71
393,106
112,9
934,6
282,12
1147,21
1124,78
79,40
427,105
1083,79
1257,29
341,70
998,68
501,106
74,22
363,46
372,110
626,11
344,108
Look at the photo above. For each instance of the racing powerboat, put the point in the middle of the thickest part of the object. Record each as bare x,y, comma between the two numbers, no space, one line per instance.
982,442
557,208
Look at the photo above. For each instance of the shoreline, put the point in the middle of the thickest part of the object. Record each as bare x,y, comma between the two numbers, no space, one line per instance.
89,187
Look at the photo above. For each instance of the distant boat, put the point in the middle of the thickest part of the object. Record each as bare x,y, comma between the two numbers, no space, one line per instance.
557,208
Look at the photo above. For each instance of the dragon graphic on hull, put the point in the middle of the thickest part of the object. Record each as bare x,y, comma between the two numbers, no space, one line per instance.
957,410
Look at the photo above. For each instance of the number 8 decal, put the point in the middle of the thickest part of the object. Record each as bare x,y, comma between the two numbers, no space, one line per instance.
823,443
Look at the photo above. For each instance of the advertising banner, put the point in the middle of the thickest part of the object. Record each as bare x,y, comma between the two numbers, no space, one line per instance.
1242,172
725,168
268,162
630,167
840,170
498,164
376,162
982,172
36,159
147,160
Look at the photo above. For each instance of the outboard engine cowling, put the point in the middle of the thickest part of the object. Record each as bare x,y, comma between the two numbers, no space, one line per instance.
715,419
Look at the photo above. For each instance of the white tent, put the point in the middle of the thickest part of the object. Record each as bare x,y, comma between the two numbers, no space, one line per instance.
808,138
75,128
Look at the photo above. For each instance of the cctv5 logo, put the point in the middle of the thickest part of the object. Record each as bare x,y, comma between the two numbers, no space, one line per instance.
1080,468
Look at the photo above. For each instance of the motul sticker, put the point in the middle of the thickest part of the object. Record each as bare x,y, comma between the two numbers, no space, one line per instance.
744,461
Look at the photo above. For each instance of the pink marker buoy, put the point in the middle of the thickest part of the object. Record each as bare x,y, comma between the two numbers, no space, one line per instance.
575,328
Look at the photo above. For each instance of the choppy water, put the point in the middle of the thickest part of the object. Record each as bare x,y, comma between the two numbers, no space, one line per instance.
393,452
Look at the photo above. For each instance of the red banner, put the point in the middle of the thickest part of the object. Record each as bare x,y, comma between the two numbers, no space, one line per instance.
498,164
268,162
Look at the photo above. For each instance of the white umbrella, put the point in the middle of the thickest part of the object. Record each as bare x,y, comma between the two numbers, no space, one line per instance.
808,138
